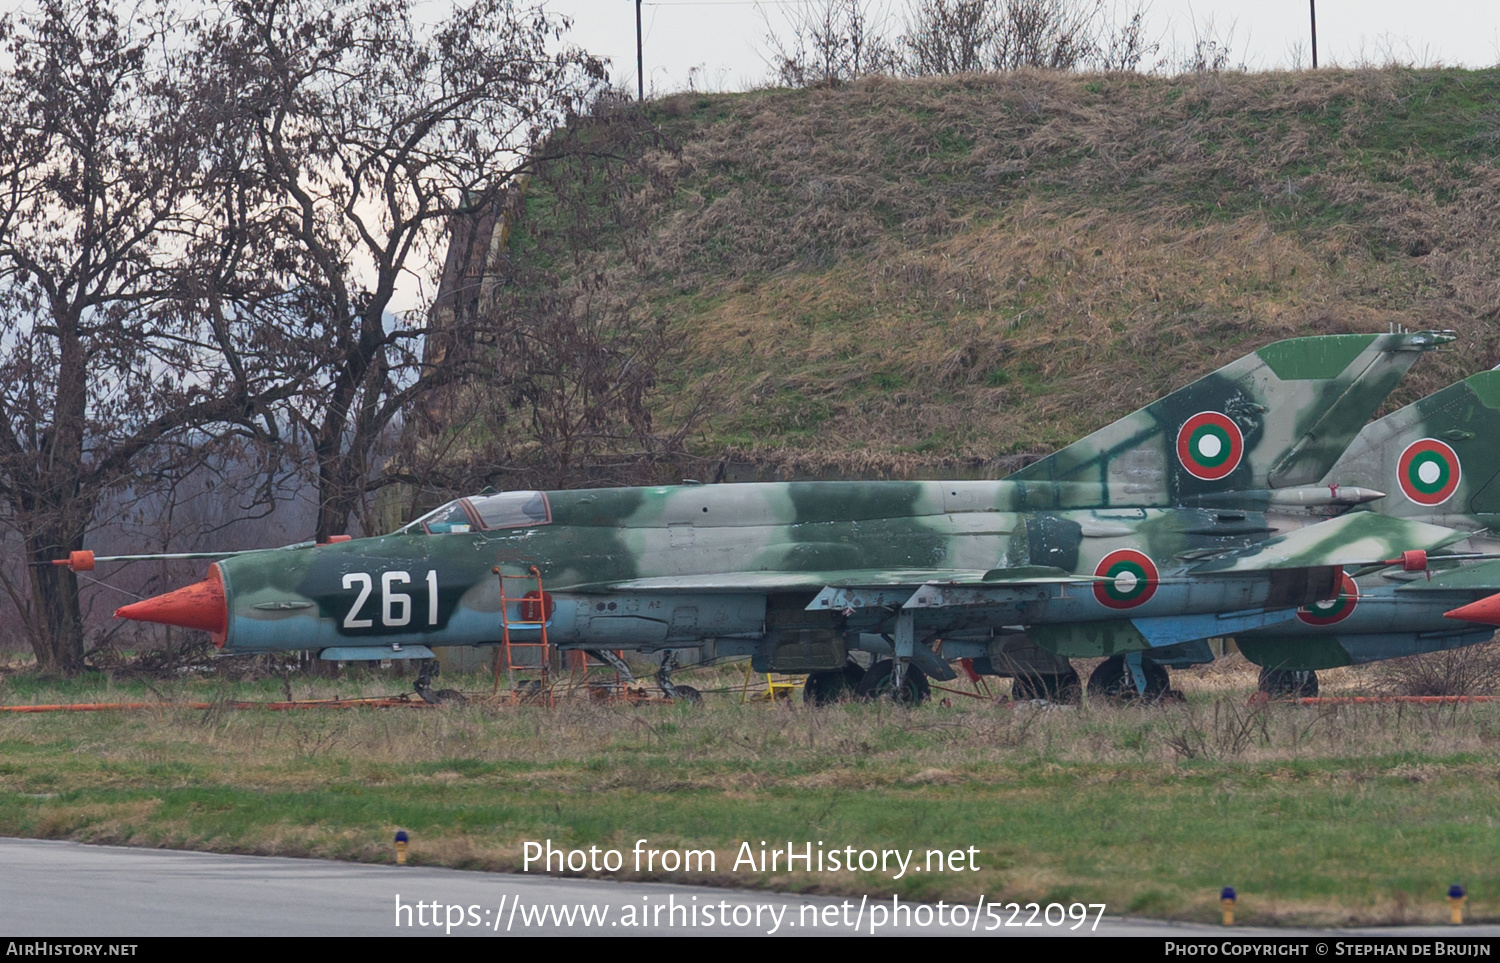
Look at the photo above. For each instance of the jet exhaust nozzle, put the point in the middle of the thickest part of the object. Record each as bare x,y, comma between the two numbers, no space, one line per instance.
197,606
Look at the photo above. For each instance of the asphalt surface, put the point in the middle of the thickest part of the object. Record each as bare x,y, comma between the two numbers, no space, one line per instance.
62,889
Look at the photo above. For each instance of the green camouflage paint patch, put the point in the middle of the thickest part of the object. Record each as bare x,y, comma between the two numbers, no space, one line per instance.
1302,359
1090,640
1486,387
1280,431
1295,652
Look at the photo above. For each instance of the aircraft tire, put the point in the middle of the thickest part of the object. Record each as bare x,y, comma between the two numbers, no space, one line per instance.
686,693
530,691
1111,680
828,686
1288,683
1063,688
876,684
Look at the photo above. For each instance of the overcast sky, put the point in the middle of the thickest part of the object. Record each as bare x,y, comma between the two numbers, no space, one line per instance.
720,45
726,38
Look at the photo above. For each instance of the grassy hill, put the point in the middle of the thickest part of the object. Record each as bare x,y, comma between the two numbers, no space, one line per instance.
917,276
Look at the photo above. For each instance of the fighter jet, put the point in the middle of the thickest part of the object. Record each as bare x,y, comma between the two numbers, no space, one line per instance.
1133,540
1438,460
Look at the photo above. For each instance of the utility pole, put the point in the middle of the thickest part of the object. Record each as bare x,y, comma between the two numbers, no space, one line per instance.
1311,9
640,70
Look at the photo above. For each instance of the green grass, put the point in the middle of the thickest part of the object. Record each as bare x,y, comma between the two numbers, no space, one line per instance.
1358,814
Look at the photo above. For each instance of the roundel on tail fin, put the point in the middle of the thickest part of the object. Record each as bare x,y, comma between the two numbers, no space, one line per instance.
1428,472
1210,445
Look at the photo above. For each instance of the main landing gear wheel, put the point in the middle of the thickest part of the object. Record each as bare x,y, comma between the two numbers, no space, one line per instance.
674,692
530,692
1063,688
828,686
426,670
876,684
1288,683
1114,681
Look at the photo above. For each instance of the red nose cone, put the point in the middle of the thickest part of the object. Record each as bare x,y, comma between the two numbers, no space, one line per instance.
1486,611
199,606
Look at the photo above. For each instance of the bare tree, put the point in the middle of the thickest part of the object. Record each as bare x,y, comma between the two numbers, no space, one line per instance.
112,370
1211,51
580,366
1054,34
1121,43
955,36
367,132
573,359
832,42
950,36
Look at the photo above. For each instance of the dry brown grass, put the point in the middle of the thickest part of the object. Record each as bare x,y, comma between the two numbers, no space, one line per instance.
598,747
1149,808
895,276
1469,671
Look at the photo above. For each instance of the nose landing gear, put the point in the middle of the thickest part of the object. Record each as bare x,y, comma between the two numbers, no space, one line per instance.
879,683
1288,683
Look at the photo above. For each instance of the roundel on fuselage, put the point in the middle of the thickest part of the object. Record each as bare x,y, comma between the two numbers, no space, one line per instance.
1210,445
1336,609
1131,579
1428,472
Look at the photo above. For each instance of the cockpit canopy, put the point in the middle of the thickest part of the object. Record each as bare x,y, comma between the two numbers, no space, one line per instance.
484,513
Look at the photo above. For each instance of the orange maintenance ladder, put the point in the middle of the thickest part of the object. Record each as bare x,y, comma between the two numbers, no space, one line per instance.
534,611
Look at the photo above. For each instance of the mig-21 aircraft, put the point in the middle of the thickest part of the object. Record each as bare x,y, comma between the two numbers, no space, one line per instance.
1132,541
1437,458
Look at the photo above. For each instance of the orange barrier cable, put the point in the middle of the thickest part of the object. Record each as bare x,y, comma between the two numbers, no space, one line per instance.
97,706
375,703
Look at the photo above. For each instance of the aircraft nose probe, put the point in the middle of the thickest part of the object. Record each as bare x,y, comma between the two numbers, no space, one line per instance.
197,606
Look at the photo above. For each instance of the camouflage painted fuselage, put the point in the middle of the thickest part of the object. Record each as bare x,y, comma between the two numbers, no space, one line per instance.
648,568
1438,460
1377,621
1149,532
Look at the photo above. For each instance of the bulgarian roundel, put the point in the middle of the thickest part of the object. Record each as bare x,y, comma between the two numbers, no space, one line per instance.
1332,610
1210,445
1428,472
1131,579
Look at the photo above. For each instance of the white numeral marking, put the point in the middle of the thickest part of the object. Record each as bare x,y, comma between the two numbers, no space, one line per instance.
390,601
350,622
395,607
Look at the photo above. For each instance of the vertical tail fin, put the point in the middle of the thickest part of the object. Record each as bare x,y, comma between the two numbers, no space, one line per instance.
1436,458
1277,418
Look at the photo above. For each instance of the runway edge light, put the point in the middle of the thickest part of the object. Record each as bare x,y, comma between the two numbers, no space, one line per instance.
401,840
1456,897
1226,901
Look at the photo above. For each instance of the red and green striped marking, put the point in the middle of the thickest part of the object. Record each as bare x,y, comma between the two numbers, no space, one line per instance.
1210,445
1428,472
1132,579
1332,610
